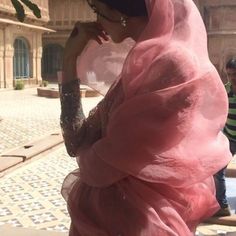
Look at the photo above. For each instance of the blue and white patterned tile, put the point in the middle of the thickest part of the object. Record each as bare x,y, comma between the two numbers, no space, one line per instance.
9,181
42,218
32,206
32,194
4,211
50,192
14,222
30,178
58,202
65,212
12,188
59,227
40,184
21,197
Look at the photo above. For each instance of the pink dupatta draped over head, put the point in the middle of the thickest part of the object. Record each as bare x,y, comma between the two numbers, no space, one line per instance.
165,136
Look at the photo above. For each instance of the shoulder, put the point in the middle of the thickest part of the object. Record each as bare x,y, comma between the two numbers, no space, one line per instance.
175,66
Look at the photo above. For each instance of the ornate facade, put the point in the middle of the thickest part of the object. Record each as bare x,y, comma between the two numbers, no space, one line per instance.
219,17
33,50
63,16
21,45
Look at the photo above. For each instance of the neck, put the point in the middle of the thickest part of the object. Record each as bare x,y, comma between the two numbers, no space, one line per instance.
137,26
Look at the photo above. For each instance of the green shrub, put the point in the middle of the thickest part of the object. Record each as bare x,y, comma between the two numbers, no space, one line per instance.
44,83
19,84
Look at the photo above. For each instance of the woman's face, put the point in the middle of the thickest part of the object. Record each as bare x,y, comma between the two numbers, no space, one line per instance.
110,20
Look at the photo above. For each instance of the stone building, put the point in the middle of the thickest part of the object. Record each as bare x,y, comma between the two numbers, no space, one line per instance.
220,20
33,50
219,17
63,16
21,44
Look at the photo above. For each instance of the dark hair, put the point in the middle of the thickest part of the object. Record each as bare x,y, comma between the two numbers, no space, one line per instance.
128,7
231,64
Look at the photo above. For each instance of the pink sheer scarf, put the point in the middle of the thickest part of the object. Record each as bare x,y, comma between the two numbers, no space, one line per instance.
164,142
100,65
174,103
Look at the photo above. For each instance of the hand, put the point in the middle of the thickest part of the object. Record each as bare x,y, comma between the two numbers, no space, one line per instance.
80,35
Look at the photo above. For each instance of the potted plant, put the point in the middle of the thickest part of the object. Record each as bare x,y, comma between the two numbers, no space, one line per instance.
19,84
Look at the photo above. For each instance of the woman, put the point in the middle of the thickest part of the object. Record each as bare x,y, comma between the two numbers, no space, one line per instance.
148,151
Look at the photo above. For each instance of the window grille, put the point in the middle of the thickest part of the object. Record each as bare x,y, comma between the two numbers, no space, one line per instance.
52,59
21,59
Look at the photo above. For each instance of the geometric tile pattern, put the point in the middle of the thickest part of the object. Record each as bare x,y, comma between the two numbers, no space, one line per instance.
25,116
65,212
30,196
14,222
31,206
39,184
37,202
4,211
10,189
59,228
49,192
42,218
57,202
20,197
220,230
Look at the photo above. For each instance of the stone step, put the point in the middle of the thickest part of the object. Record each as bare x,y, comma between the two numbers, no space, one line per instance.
7,230
215,230
29,150
223,220
54,92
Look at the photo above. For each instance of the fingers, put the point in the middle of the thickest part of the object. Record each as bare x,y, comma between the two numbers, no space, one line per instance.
89,30
80,36
97,35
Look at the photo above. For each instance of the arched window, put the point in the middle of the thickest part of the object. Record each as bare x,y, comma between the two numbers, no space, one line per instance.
21,59
51,60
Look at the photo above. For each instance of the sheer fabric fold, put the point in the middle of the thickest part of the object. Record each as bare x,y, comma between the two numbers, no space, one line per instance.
162,140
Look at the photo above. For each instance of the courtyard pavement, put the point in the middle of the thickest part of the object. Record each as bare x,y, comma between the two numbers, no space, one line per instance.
30,195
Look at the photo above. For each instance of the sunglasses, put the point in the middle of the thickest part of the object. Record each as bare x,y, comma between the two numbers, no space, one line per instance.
95,10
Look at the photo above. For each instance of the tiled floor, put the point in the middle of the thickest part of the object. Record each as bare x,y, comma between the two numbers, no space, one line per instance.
30,196
26,116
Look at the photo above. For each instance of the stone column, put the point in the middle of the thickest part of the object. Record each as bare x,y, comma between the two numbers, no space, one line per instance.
1,58
33,54
39,52
8,59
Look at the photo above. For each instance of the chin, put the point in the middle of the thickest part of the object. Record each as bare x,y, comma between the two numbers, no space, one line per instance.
117,39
